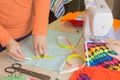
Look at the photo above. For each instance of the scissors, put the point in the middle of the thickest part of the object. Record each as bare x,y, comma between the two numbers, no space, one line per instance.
18,67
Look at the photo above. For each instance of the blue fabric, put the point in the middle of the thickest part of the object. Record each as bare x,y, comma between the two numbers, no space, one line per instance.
56,63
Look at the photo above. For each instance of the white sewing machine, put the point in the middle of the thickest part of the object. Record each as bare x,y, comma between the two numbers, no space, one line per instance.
98,20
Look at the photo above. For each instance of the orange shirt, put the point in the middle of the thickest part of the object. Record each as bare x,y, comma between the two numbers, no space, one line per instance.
19,17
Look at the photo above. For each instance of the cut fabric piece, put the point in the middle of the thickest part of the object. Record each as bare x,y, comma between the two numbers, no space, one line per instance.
96,73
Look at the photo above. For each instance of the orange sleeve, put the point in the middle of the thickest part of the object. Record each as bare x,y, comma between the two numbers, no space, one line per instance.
40,19
4,36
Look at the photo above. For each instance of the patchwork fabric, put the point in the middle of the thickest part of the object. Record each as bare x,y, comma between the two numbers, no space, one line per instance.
98,55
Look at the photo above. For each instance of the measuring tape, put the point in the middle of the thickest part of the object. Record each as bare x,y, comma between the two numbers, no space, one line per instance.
69,46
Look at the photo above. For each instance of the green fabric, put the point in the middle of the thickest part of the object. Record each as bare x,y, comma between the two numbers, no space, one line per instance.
17,77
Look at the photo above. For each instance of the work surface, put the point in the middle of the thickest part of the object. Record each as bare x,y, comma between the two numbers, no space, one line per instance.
57,25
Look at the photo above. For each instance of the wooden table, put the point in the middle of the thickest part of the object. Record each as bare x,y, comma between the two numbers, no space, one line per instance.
56,25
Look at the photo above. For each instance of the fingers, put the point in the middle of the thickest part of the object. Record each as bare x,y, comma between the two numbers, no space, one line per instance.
16,54
40,49
36,50
40,45
14,51
44,49
20,53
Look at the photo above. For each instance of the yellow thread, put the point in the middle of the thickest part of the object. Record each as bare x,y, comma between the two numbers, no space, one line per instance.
66,47
70,46
98,48
87,59
75,55
116,67
103,47
110,68
45,57
92,49
118,64
41,57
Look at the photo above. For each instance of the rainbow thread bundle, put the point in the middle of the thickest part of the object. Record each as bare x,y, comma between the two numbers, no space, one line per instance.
98,55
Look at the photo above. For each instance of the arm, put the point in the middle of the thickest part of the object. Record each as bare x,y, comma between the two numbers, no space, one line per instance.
40,20
40,23
4,36
12,47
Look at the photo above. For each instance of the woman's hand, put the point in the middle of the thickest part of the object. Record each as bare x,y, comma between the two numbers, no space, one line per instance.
13,50
40,45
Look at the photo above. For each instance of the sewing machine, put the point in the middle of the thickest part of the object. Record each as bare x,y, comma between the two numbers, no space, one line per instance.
98,20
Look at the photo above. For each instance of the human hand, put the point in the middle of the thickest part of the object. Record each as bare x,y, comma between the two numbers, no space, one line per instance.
40,45
13,50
